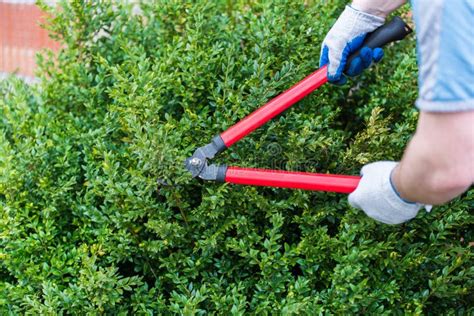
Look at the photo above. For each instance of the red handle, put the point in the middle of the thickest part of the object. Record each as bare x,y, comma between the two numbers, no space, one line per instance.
274,107
294,180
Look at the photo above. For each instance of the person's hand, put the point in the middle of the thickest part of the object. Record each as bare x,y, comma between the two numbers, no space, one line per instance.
346,37
377,197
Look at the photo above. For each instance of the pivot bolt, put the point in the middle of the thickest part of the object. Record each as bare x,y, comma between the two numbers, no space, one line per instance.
195,161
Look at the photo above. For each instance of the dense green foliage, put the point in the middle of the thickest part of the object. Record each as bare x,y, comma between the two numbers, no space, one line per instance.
85,227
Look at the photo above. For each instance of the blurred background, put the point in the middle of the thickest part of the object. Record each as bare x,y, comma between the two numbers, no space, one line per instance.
21,37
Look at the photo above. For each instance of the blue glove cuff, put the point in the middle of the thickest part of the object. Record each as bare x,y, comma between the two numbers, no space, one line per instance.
396,191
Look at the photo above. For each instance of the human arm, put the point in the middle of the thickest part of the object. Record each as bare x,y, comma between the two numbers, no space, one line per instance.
437,166
438,163
380,8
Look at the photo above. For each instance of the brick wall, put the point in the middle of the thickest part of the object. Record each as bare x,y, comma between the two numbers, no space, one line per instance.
21,36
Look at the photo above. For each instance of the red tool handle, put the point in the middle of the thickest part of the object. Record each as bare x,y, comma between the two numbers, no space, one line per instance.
294,180
274,107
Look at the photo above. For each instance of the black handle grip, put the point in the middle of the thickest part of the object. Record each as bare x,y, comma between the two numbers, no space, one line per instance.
392,31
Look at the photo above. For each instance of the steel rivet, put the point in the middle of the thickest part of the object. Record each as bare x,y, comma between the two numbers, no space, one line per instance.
195,161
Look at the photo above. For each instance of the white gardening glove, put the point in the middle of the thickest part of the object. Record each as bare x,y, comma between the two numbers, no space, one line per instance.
345,38
377,197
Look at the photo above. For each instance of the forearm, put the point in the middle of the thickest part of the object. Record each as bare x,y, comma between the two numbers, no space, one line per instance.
438,164
380,8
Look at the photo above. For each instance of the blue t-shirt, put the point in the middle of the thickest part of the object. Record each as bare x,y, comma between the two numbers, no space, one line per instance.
445,38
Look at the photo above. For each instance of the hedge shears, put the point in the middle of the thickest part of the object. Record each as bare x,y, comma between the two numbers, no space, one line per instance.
198,163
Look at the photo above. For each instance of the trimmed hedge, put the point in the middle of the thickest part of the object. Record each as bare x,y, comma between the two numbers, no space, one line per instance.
86,228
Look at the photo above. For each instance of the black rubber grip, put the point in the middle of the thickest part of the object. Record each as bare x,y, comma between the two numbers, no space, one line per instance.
218,144
221,171
392,31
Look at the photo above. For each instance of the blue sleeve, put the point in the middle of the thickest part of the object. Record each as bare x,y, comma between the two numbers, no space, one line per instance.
445,41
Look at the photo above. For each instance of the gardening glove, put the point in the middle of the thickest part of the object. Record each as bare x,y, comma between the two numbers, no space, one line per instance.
378,198
345,38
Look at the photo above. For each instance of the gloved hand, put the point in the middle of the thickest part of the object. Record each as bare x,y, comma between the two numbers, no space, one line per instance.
377,197
346,37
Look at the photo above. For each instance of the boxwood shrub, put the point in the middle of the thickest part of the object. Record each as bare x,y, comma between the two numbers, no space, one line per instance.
98,215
